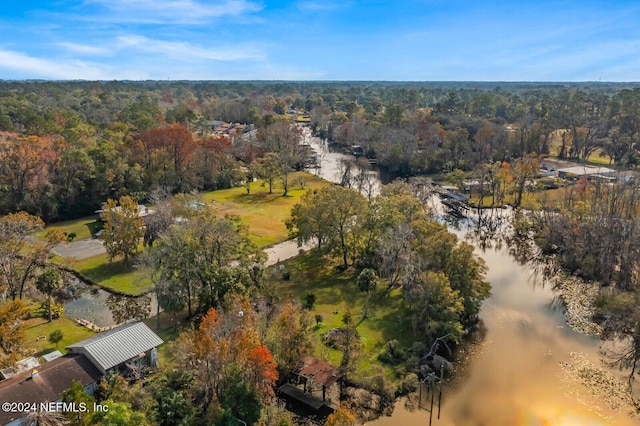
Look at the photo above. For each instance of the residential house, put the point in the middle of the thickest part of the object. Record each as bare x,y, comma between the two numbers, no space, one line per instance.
45,384
142,211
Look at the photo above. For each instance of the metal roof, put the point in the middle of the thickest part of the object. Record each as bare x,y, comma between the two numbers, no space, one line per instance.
585,170
118,345
317,370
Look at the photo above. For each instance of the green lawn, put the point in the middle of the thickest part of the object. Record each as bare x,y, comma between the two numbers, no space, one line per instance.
262,212
596,157
115,276
83,228
38,330
168,328
336,291
530,200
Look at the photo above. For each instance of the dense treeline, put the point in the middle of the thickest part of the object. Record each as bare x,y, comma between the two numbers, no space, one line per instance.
391,236
65,147
467,129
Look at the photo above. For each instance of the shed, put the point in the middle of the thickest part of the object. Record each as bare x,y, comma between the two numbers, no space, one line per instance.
314,370
579,170
132,344
52,355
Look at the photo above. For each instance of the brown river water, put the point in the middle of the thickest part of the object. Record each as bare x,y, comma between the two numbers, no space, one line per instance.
514,374
519,371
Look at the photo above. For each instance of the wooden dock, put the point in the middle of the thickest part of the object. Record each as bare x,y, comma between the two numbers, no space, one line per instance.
305,398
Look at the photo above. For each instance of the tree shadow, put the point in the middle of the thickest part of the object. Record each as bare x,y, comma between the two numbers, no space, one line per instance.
44,351
94,227
394,325
105,271
258,198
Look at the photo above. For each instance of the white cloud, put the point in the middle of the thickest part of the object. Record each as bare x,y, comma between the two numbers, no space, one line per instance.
85,49
322,6
19,64
171,11
187,52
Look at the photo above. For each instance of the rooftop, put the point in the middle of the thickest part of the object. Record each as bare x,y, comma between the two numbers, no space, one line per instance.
585,170
111,348
317,370
142,210
20,366
52,379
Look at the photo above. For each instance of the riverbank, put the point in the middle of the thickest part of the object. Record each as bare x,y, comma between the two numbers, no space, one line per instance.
522,366
578,298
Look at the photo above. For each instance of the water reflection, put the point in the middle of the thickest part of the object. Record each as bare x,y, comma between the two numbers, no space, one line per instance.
521,366
338,167
124,308
82,301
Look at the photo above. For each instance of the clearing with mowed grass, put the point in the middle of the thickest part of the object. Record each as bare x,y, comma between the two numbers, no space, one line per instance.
264,213
114,276
336,292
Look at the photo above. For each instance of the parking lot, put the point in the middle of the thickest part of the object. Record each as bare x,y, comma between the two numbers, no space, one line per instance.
80,249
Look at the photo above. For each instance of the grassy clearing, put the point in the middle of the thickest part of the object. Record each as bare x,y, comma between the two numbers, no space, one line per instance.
83,228
336,292
168,328
114,276
262,212
596,158
38,330
530,200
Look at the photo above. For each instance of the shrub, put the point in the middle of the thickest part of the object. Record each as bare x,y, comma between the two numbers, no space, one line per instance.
393,354
310,300
409,384
57,310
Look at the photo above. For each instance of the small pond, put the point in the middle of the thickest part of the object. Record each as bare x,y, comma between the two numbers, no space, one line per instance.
98,306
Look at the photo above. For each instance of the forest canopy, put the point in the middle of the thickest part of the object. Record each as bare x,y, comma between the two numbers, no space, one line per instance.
66,147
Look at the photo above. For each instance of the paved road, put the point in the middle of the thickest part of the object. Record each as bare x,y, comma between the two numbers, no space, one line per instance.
80,249
283,251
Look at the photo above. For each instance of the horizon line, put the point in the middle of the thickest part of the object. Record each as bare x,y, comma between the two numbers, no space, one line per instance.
41,80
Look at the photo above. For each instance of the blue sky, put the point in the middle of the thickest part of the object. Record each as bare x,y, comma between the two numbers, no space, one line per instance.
423,40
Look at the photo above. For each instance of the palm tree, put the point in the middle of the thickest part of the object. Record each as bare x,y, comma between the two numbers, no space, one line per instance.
45,418
48,282
367,282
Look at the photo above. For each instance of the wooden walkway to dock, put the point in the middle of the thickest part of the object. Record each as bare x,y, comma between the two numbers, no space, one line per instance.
307,399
